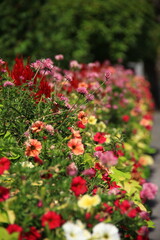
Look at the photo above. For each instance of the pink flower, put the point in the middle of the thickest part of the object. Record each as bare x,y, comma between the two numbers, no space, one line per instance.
8,83
72,169
89,97
59,57
49,129
91,172
82,90
75,64
107,75
149,191
108,158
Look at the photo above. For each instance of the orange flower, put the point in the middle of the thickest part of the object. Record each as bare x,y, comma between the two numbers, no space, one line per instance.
83,117
37,126
76,146
33,148
75,134
82,84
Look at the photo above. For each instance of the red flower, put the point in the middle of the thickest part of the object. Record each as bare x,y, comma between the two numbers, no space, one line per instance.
80,125
132,213
99,137
4,193
99,148
124,206
78,186
33,234
52,219
4,164
38,160
21,73
15,228
125,118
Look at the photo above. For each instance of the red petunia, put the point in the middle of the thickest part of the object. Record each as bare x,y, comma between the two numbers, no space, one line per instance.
52,219
33,234
80,125
99,137
15,228
4,164
4,193
78,186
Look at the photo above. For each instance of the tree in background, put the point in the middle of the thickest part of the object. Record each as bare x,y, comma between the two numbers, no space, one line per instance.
85,30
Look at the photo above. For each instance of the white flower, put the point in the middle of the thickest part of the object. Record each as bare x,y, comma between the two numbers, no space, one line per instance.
105,231
75,231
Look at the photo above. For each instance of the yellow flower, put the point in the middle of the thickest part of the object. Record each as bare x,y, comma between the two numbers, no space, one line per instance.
101,127
87,201
108,138
92,120
146,160
128,147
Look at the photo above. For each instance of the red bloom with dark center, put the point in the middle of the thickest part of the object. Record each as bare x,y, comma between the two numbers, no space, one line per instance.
4,164
78,186
99,137
15,228
33,234
4,193
52,219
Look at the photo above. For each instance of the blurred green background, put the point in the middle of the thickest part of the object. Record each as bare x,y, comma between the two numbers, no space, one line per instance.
85,30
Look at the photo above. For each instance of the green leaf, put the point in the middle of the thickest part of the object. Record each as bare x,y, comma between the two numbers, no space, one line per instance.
150,224
4,235
88,159
119,176
4,217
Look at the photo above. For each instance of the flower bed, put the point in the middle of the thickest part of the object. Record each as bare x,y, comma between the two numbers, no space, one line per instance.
74,148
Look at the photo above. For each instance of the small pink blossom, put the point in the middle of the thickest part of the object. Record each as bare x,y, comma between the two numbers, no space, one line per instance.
82,90
108,158
8,83
89,172
75,64
149,191
49,128
107,75
89,97
1,61
59,57
72,169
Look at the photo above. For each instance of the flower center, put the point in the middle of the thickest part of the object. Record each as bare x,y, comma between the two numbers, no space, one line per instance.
32,147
